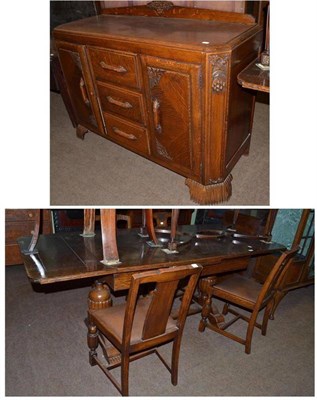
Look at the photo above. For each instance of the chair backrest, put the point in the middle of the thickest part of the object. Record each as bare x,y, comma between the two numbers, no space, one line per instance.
167,280
276,275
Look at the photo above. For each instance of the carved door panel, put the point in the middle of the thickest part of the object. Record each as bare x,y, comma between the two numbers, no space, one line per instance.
79,83
173,96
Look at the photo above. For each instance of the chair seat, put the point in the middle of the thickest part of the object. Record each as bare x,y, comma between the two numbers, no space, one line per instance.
111,320
238,287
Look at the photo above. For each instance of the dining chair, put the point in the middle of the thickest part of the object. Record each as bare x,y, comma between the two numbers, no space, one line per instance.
136,328
242,292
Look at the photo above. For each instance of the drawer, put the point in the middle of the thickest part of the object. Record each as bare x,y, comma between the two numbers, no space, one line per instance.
126,133
20,215
14,230
121,101
13,255
114,66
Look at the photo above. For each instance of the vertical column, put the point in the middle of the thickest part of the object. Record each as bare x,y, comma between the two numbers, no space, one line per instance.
172,245
109,238
89,222
150,228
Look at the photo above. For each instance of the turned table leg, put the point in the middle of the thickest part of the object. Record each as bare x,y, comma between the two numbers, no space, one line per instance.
99,297
209,311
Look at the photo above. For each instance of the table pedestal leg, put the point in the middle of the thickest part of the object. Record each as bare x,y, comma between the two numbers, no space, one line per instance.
99,297
209,311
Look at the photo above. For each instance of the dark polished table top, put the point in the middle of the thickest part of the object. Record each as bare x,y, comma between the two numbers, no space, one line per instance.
69,256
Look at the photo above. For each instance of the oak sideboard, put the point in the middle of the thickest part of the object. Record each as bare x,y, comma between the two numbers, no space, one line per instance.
161,81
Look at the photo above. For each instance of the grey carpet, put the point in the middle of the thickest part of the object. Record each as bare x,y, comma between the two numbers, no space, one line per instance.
98,172
46,351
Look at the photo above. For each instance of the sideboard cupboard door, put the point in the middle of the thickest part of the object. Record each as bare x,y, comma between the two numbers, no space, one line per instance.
173,96
79,84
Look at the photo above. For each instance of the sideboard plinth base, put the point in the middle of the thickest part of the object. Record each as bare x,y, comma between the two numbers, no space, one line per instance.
210,194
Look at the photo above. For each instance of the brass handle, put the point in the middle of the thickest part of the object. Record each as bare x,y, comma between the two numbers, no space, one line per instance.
119,103
119,69
83,91
124,134
156,114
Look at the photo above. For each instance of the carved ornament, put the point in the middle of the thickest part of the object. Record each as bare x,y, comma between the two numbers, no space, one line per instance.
219,73
155,75
160,6
162,150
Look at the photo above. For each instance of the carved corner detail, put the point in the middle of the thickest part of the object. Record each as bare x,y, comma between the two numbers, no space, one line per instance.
160,6
162,150
219,73
155,75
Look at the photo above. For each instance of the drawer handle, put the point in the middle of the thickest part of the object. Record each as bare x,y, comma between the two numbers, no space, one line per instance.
119,103
83,91
123,134
156,114
119,69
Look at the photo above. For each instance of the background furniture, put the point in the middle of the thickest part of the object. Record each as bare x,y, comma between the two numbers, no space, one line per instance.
138,327
73,219
245,293
300,226
248,221
252,77
150,100
256,75
21,223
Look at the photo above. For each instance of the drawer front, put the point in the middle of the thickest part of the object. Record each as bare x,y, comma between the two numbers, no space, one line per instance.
121,101
14,230
20,215
13,255
126,133
117,67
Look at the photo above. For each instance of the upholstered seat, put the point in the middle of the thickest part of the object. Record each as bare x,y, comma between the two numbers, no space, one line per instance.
239,286
110,321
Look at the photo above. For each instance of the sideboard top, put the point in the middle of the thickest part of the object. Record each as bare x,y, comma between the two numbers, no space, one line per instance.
185,33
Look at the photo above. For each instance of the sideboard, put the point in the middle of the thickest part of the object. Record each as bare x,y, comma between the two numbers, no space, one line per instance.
20,222
161,81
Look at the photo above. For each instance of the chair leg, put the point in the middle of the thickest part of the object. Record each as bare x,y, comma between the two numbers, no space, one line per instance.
225,309
92,341
125,374
266,316
175,359
250,330
279,295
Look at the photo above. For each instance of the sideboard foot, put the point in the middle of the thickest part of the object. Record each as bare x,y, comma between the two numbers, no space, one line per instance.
81,132
210,194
